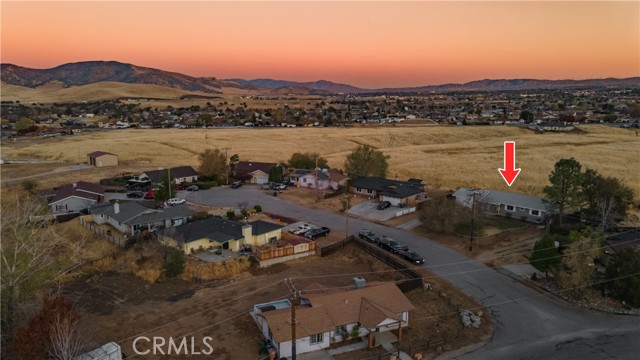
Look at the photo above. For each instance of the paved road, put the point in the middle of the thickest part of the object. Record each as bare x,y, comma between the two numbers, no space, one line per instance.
529,325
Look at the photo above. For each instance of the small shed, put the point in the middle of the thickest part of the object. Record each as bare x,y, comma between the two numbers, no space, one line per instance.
102,158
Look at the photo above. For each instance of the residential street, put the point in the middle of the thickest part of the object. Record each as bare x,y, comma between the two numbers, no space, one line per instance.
529,325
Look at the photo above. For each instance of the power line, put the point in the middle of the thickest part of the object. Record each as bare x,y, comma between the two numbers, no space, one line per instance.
454,263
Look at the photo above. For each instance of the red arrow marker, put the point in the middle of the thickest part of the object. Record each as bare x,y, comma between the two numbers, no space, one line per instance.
509,173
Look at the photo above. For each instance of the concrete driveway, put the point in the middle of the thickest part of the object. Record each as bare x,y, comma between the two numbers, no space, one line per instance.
368,210
529,325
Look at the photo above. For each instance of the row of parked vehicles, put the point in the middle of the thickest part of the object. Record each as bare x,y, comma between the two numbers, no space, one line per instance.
392,246
310,233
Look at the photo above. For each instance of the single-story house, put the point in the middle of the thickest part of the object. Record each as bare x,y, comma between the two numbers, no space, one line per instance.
76,197
102,158
318,179
517,206
181,174
217,233
136,217
394,191
326,316
254,172
555,126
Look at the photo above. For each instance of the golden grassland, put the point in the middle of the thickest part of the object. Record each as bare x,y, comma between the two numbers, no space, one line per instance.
234,97
91,92
445,157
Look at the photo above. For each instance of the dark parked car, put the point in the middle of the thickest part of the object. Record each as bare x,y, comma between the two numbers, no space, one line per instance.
135,194
411,256
316,233
193,188
392,245
369,236
384,205
236,184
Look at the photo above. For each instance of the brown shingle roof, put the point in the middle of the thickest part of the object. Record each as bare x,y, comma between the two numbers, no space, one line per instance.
369,306
309,321
247,167
80,189
96,154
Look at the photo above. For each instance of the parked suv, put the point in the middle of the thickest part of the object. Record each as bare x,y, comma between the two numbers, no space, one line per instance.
236,184
176,201
384,205
411,256
369,236
391,245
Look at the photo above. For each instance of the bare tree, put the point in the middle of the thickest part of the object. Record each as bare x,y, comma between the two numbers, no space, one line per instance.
68,340
32,254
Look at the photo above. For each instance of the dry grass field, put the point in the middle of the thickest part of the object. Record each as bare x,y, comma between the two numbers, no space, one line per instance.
52,93
446,157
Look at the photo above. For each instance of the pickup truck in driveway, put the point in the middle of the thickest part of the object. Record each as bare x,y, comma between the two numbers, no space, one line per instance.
316,233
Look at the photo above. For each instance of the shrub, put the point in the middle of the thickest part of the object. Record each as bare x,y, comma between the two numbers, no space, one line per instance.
176,263
257,208
204,185
231,214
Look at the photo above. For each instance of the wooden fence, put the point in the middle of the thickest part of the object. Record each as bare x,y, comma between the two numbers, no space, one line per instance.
415,278
276,252
112,236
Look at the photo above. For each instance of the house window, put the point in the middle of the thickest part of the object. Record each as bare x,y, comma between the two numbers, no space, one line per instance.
316,338
341,330
304,180
358,189
369,191
509,207
535,213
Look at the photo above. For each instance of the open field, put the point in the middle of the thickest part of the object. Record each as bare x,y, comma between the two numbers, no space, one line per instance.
445,157
167,96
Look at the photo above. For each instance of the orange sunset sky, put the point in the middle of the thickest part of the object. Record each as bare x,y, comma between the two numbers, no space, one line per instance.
367,44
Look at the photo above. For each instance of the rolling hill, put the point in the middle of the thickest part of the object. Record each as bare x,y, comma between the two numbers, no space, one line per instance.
90,72
97,72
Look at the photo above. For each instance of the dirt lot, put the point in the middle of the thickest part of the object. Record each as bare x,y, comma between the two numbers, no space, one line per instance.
500,248
307,198
121,307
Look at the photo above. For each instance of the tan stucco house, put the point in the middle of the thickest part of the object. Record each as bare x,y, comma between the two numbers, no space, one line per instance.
102,158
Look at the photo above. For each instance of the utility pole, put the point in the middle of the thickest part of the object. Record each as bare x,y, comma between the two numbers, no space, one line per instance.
473,216
294,301
169,181
316,172
347,204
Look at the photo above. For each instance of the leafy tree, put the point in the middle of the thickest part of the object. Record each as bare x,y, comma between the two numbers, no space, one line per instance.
365,161
176,264
578,260
566,180
623,271
213,164
607,198
275,174
23,124
306,161
233,162
167,189
545,254
526,115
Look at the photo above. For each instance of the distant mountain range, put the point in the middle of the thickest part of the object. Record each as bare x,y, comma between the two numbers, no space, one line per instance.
83,73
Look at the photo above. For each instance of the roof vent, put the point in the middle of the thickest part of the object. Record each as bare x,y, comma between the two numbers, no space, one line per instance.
359,282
